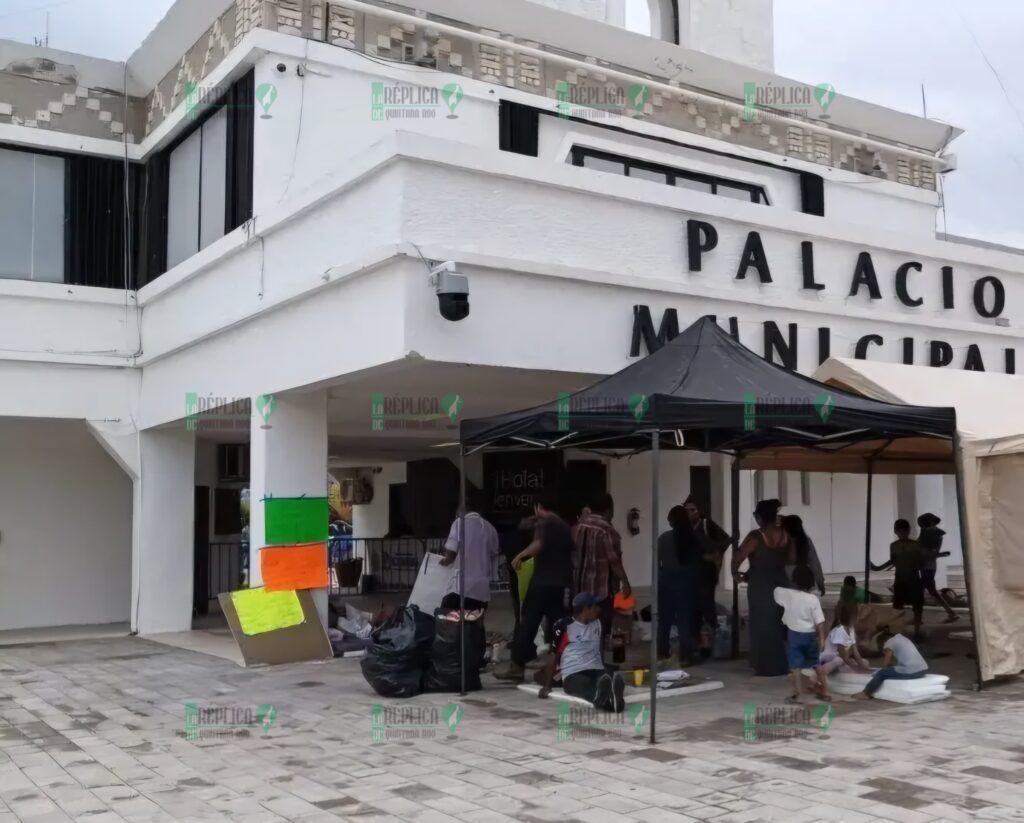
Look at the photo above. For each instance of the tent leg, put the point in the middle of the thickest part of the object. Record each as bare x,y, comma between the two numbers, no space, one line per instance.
867,537
965,547
735,512
462,571
655,443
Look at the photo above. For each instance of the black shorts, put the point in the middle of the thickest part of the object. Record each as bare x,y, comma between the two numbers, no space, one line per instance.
908,591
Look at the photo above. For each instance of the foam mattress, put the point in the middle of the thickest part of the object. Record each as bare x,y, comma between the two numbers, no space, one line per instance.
929,687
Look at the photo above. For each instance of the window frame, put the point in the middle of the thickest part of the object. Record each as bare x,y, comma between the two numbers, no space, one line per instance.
757,192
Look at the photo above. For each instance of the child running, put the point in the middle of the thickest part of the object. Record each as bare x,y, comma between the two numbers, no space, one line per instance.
906,557
805,635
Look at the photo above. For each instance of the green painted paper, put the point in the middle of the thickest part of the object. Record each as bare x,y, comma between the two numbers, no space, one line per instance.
260,611
290,521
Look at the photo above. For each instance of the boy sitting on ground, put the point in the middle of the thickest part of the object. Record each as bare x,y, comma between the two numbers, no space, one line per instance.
901,661
578,654
805,635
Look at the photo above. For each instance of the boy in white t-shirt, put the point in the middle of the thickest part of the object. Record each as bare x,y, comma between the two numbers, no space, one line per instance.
805,635
840,652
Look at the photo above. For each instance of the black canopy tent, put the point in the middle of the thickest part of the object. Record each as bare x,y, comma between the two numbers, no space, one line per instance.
705,391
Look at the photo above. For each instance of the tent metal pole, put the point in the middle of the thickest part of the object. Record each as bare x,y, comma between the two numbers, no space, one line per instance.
867,535
655,444
965,548
462,571
734,492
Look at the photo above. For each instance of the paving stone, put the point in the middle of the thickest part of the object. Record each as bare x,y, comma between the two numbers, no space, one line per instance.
95,731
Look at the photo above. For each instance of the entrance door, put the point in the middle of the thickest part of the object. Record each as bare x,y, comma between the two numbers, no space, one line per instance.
201,550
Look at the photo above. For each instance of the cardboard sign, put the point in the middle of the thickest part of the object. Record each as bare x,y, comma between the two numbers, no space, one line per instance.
287,568
297,643
431,584
293,520
261,611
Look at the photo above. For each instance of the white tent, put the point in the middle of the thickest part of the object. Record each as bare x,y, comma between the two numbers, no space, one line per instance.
990,422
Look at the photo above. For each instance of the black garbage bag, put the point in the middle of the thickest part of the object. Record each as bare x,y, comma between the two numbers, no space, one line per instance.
398,652
444,670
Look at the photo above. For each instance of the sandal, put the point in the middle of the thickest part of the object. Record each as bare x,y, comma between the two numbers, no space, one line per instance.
823,696
793,700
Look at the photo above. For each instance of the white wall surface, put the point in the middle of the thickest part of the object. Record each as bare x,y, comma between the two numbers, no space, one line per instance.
164,532
738,30
65,528
372,519
56,320
607,254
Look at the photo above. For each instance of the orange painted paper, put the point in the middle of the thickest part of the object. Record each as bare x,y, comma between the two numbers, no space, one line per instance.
287,568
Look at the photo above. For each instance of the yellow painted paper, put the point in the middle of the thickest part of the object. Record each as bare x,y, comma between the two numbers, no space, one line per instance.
260,611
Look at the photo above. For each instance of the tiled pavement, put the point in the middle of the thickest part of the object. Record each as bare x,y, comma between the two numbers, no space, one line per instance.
95,731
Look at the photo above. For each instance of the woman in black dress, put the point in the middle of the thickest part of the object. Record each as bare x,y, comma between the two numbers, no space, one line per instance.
767,548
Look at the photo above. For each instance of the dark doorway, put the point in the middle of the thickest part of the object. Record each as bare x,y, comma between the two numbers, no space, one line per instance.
700,488
584,480
201,553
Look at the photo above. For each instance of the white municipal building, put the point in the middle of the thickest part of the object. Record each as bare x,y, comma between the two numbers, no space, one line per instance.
216,275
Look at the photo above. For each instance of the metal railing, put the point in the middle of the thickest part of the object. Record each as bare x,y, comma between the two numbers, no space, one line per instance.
356,564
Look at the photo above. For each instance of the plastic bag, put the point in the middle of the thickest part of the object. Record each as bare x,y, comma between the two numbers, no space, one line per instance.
523,576
444,672
397,655
355,622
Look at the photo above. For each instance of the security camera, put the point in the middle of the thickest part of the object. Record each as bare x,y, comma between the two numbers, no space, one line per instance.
452,290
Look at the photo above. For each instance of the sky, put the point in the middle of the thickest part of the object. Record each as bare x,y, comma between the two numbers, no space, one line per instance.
968,54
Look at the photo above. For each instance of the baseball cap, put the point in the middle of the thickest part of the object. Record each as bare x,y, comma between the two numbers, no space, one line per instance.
584,600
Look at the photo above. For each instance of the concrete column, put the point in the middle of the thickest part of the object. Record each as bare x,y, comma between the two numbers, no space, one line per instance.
287,458
163,531
721,505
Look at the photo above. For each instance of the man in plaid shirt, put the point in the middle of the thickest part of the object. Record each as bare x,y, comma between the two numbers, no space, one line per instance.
597,557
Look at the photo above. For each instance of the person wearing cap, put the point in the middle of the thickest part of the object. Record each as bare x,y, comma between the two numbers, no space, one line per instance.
930,539
578,657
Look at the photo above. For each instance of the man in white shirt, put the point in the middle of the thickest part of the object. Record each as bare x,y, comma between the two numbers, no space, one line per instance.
481,551
910,665
805,636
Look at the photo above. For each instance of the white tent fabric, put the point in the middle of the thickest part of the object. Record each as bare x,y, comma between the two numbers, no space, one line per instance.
990,420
